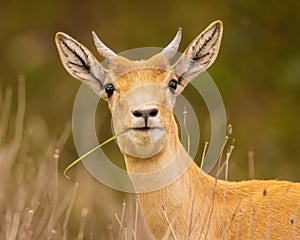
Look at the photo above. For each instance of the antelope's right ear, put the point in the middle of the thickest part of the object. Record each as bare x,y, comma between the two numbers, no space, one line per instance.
80,62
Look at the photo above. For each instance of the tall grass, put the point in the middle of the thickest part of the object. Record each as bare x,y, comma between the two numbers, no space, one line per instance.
37,202
29,207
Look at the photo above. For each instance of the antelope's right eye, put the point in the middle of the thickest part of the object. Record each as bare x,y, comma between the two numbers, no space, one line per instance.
109,89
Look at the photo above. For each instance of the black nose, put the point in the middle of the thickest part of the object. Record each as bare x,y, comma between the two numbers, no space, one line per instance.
146,113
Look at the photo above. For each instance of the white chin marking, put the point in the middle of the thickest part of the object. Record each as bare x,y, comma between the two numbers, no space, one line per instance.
142,143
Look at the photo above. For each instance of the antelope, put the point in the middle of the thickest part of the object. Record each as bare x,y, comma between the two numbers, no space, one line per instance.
141,95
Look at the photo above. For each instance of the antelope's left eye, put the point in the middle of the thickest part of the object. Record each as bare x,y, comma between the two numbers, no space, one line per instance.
173,85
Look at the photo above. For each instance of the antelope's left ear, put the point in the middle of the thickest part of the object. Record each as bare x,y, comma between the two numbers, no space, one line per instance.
201,52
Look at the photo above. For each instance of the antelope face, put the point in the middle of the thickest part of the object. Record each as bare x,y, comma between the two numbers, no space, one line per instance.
141,94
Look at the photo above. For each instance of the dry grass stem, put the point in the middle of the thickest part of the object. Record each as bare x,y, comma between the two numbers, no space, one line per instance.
5,113
84,213
69,209
110,232
251,164
196,189
55,192
136,219
203,154
170,227
186,129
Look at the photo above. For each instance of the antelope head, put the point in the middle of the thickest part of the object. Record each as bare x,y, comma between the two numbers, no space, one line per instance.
141,94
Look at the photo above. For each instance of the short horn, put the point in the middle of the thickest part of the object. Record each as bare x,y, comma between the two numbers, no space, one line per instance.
170,50
103,50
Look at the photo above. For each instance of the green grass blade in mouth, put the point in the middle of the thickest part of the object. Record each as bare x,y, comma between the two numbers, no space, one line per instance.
91,151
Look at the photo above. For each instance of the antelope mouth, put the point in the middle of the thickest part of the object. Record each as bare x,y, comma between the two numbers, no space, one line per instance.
146,129
142,129
143,142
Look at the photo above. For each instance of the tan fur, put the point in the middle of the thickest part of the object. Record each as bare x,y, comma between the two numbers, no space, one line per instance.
197,205
221,210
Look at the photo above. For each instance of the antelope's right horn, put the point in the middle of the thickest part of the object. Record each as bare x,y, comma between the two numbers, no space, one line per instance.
102,49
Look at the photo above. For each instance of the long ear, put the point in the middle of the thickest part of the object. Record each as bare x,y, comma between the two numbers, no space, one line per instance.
80,62
201,52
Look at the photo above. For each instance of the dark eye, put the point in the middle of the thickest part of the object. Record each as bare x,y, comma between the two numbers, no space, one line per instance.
109,89
173,85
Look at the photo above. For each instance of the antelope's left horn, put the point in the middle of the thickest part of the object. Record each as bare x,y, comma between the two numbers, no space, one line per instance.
170,50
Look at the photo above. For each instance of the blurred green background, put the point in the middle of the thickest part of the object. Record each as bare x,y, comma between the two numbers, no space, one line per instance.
257,71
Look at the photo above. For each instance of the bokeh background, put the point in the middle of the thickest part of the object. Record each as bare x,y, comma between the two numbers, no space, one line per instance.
257,70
